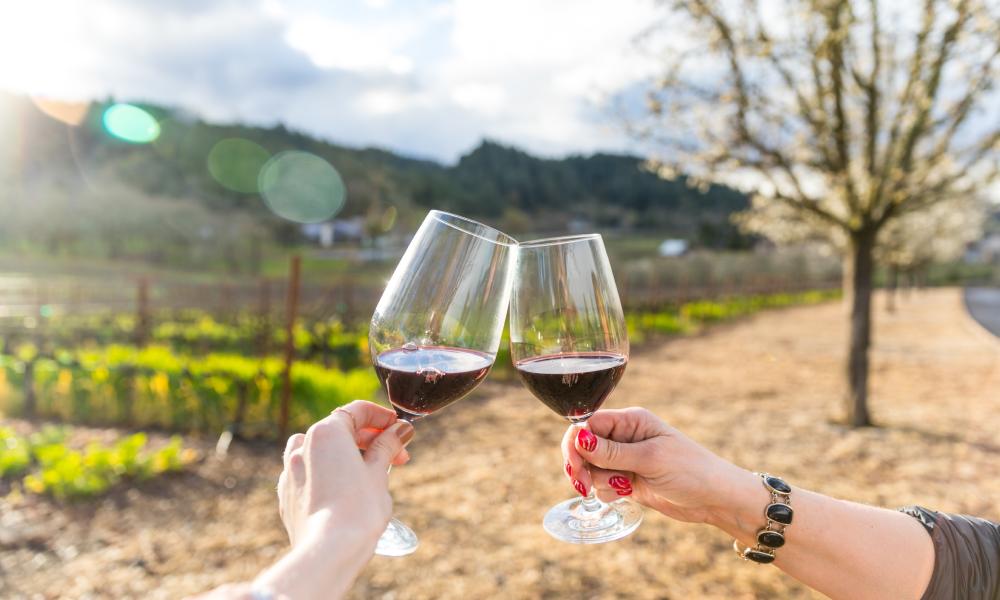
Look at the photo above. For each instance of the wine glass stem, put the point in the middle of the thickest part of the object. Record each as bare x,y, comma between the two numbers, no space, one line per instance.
591,503
410,421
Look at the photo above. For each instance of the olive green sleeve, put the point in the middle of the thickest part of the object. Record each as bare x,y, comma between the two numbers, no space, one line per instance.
966,556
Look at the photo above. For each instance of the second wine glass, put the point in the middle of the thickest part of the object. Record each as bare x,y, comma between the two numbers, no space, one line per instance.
436,330
569,344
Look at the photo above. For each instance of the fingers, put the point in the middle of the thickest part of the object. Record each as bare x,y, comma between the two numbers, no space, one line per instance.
365,437
295,442
294,467
605,495
328,441
574,467
609,454
401,459
626,424
388,444
608,484
338,434
282,477
613,483
297,468
368,415
351,418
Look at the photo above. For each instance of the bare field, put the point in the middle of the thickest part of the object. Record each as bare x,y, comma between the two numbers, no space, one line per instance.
762,392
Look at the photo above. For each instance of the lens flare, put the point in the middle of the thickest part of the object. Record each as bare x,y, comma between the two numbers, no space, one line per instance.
388,220
236,163
301,187
70,113
131,124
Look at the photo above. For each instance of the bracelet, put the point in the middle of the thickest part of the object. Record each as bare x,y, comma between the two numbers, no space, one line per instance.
778,514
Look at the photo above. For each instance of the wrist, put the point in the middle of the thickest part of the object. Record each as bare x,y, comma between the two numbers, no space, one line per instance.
740,503
324,562
327,531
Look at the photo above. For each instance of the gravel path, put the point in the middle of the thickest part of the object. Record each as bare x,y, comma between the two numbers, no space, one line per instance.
760,392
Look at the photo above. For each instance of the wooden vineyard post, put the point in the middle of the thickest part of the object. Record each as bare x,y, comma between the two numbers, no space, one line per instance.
29,389
657,297
229,311
291,308
242,395
142,312
264,317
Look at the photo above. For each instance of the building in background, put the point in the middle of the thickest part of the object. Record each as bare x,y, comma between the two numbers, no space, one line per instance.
673,247
340,230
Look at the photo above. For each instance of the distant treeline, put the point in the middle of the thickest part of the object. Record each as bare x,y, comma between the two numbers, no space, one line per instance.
77,188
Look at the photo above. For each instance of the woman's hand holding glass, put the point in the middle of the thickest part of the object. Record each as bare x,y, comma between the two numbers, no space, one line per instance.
634,453
334,501
326,480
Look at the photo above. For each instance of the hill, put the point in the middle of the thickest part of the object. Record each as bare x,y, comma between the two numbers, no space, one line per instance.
76,188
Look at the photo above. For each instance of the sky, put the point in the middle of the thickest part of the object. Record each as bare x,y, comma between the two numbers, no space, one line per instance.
427,78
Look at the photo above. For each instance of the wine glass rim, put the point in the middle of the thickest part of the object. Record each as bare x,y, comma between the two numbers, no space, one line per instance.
564,239
503,238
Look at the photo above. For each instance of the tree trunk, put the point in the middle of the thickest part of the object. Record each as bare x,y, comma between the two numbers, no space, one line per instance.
891,289
858,292
908,288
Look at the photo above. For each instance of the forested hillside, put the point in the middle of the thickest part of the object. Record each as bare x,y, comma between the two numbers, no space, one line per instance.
77,189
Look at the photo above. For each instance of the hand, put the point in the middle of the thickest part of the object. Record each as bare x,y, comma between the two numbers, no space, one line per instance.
635,453
333,501
327,484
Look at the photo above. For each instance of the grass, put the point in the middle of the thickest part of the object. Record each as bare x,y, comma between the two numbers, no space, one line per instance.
157,387
178,387
44,464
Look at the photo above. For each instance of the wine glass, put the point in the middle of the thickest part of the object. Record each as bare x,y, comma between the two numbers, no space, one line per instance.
436,329
569,344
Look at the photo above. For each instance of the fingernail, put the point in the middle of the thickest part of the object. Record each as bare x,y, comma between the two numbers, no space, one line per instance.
621,485
569,470
586,440
404,431
579,487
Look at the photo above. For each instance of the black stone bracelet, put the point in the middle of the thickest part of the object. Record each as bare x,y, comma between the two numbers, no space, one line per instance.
778,514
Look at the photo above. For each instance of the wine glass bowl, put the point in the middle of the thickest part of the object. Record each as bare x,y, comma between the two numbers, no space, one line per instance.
569,345
436,330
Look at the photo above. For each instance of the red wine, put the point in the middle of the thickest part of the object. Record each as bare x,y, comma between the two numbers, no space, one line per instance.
573,384
420,380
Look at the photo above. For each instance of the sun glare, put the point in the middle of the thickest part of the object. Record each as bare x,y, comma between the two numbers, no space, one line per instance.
131,124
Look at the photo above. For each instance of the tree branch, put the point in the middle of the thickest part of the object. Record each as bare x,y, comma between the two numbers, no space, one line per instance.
905,100
931,87
836,38
872,94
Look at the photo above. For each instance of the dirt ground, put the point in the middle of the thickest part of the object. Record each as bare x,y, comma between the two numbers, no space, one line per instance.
761,392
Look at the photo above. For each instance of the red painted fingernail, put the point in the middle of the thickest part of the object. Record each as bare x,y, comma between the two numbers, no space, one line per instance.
569,470
586,440
621,485
579,488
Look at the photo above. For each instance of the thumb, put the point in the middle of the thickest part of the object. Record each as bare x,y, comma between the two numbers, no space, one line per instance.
388,444
609,454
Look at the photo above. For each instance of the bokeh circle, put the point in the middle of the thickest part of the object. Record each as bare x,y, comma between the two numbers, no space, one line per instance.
236,164
301,187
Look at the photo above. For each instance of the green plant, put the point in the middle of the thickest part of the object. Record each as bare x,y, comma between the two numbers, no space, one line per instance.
63,472
15,454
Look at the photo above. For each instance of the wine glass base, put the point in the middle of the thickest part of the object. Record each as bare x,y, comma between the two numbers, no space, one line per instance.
570,521
397,540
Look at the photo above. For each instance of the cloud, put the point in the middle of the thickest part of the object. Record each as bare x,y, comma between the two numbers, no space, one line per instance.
332,44
543,70
425,77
